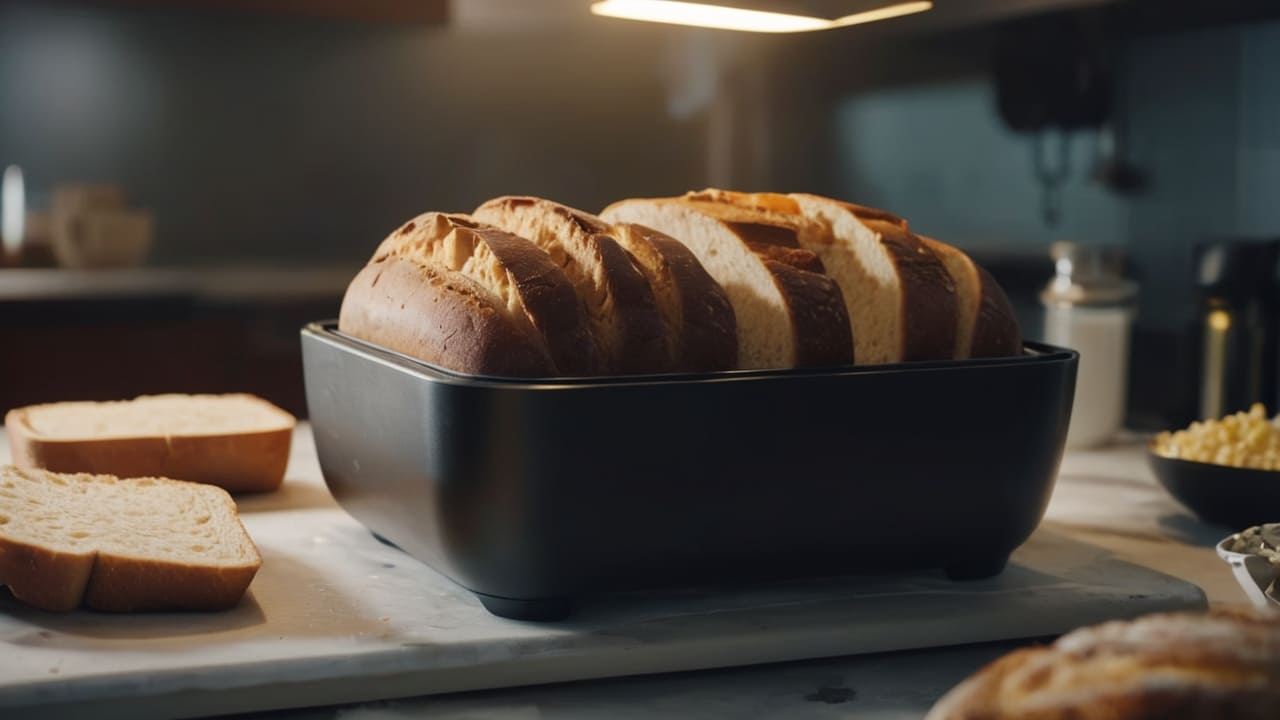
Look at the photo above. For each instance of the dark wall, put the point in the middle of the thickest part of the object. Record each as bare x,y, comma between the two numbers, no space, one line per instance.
305,140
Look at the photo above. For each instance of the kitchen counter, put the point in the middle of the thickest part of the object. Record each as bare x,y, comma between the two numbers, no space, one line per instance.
199,284
1105,498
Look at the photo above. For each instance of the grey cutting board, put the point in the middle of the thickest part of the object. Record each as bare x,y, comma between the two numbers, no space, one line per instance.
336,616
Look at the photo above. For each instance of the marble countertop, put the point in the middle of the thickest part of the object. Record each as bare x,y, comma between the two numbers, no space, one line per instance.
1105,498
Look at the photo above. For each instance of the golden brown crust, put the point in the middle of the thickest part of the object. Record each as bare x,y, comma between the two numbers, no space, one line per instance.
700,321
928,293
440,317
123,584
546,298
237,462
625,321
822,332
786,204
995,329
44,578
823,335
1219,665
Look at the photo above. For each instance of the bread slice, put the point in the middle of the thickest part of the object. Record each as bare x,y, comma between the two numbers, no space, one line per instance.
441,317
624,316
788,312
121,545
702,333
237,442
899,297
532,287
985,322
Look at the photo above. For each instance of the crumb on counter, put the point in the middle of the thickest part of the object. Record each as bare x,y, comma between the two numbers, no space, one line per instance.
1244,439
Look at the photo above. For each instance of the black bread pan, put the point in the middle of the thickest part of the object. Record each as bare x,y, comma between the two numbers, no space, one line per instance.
531,494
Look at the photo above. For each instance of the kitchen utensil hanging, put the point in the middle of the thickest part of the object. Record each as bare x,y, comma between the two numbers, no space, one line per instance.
1052,78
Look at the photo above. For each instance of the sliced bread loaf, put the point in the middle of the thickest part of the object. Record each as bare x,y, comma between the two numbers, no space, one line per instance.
533,289
442,317
788,312
237,442
985,322
624,316
121,545
899,297
702,334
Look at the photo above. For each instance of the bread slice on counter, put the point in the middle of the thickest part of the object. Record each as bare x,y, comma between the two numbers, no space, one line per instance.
788,312
985,323
441,317
237,442
624,316
702,333
899,296
68,540
532,287
1220,665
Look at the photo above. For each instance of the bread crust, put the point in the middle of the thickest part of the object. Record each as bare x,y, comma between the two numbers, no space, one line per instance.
440,317
700,320
928,308
823,333
545,297
44,578
628,328
237,462
245,461
1192,666
995,328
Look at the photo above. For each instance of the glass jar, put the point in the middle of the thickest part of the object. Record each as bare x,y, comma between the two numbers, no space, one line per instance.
1089,306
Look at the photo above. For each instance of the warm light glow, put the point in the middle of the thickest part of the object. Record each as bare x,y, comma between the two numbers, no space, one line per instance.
730,18
1220,320
883,13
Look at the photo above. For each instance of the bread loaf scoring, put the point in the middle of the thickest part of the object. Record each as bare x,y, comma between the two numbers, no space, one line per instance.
516,272
1222,665
628,327
711,280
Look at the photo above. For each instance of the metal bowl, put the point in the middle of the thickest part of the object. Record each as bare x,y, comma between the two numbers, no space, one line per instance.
1257,576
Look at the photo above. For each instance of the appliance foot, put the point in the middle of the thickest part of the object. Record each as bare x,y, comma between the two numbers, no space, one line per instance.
977,567
535,609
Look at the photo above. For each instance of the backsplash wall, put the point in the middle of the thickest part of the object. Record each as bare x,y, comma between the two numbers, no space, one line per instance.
1204,123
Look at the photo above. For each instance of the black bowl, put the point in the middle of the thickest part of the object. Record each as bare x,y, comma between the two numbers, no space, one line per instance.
1236,497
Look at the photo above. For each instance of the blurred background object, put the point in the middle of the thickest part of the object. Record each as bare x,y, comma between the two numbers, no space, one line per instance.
1237,324
13,212
91,227
278,139
1089,308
